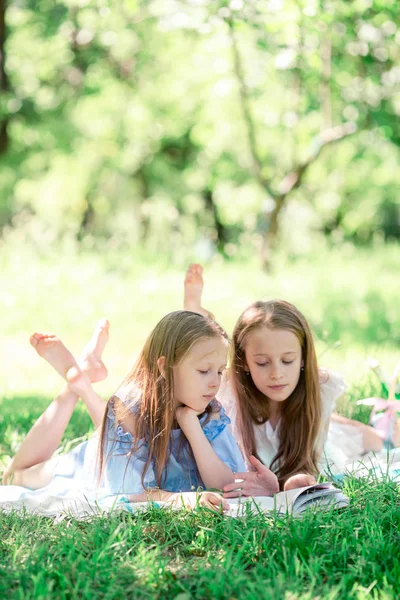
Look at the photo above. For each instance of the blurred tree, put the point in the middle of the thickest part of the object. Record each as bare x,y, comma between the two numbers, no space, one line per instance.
4,88
310,62
172,124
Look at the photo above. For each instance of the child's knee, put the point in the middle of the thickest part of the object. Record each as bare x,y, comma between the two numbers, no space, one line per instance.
34,477
8,476
13,477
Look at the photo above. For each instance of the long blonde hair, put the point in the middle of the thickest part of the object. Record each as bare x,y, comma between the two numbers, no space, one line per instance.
300,415
150,402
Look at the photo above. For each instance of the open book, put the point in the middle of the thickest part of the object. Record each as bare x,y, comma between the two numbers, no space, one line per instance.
321,495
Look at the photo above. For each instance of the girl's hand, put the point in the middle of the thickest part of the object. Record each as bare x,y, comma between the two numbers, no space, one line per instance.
186,415
192,500
261,482
299,480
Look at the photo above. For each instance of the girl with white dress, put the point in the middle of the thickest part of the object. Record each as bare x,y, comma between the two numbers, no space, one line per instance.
280,403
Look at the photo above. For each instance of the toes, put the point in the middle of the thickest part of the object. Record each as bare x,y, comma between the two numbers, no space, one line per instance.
194,273
103,324
190,273
192,269
38,337
34,340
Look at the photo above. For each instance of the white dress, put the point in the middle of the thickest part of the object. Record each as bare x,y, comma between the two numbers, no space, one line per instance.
340,444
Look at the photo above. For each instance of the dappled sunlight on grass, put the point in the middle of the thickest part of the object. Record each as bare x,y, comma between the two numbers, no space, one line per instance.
350,300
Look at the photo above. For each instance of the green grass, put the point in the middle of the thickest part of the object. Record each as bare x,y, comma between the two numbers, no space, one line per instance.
164,554
350,297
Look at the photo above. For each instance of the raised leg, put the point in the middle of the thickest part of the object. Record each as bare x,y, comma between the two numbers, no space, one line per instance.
193,290
372,442
44,437
79,383
91,360
34,477
32,466
51,348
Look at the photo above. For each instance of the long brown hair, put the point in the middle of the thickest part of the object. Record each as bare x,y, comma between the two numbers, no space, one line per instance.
149,404
300,415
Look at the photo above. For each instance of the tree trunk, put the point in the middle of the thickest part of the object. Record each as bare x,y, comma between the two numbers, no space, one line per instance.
144,220
221,231
326,73
87,220
271,233
4,141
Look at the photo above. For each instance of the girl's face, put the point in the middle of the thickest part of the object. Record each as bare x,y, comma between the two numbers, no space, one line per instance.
273,357
198,376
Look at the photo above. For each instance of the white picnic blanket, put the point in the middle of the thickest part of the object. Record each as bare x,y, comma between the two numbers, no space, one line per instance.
51,502
80,505
378,465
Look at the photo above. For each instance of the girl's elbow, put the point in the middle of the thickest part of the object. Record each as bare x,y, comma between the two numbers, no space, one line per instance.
222,480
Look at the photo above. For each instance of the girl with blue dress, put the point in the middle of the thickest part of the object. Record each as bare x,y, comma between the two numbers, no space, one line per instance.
162,434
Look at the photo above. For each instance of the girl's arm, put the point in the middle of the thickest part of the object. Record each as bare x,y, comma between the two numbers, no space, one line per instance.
213,471
188,500
153,495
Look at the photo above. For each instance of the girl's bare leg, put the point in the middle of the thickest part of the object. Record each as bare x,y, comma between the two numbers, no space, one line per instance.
80,384
43,438
32,465
372,442
35,477
193,290
51,348
91,360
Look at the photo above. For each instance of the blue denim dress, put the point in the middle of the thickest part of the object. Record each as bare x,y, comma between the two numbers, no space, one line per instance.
123,473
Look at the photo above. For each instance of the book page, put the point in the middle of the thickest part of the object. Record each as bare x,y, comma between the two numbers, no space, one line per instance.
286,500
293,501
240,506
313,496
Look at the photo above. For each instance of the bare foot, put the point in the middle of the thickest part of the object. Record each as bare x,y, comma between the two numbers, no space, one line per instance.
193,289
91,359
51,348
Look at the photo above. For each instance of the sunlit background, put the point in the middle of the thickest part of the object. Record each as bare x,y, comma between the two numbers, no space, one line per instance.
260,138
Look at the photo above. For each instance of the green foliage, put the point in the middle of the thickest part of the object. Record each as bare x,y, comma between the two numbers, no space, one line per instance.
126,121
